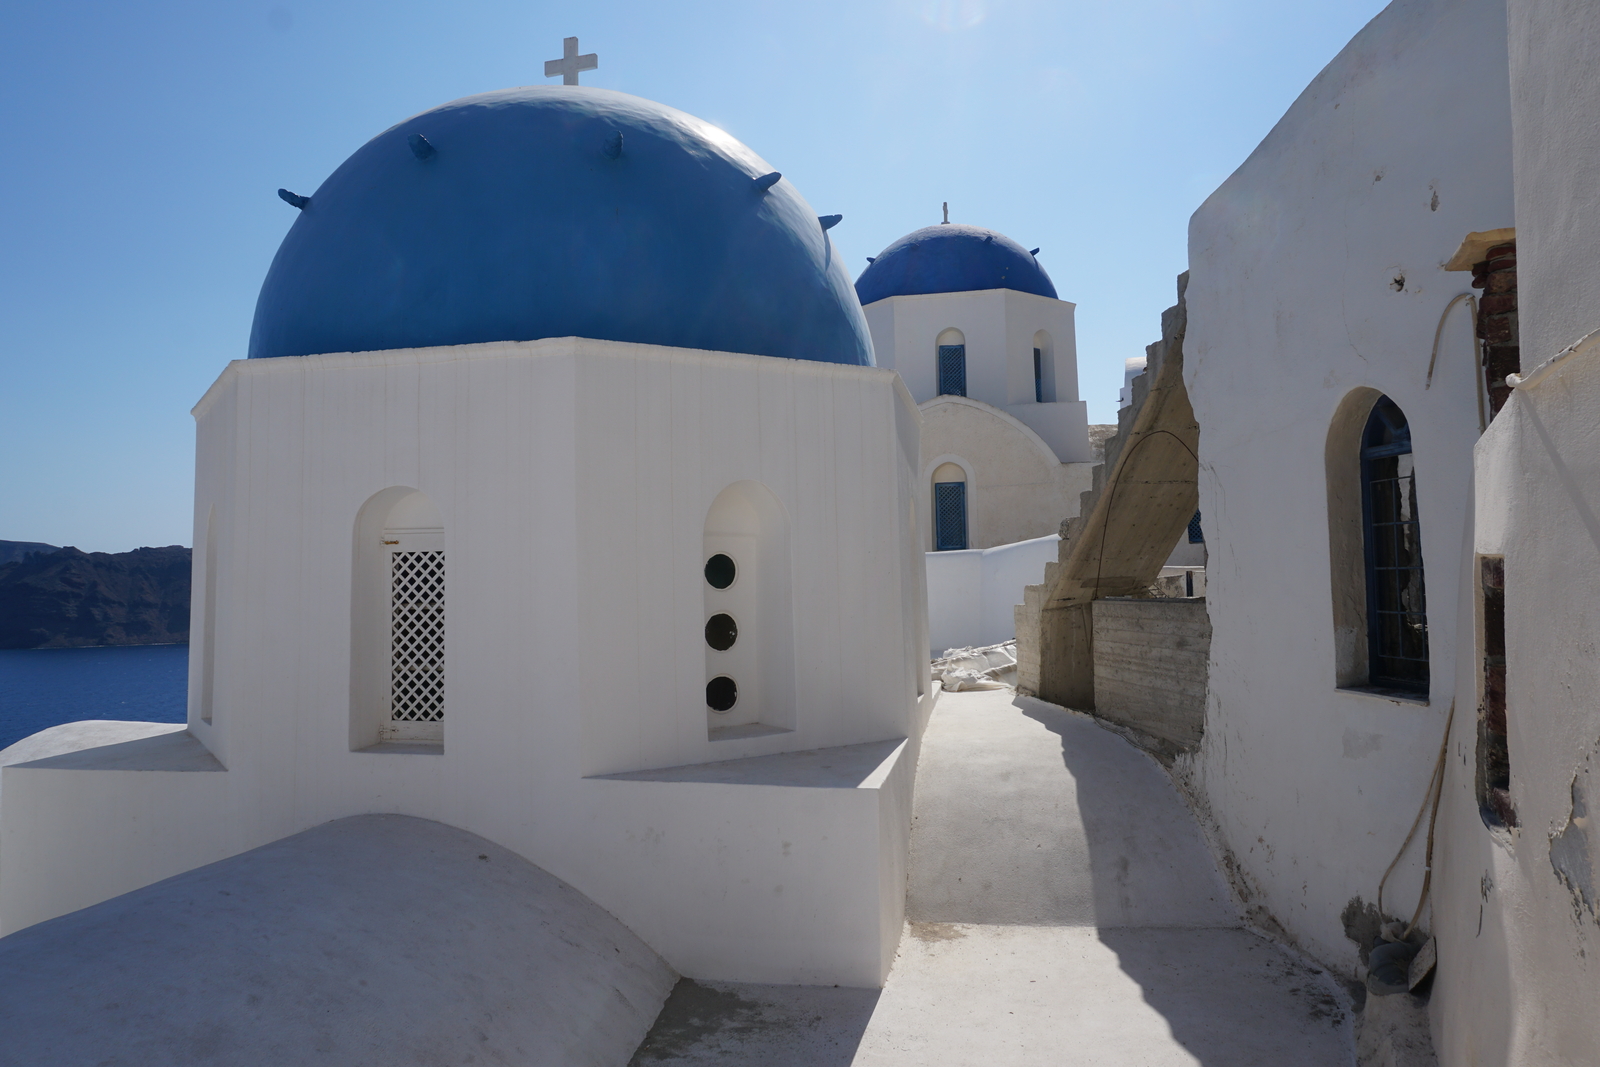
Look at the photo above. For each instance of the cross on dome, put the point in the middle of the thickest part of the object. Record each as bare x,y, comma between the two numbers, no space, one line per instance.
570,62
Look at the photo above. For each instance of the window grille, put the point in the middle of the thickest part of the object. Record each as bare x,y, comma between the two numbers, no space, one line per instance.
949,516
1397,617
416,691
1038,376
1196,535
952,370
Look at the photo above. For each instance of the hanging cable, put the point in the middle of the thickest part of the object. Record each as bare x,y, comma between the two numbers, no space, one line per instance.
1429,799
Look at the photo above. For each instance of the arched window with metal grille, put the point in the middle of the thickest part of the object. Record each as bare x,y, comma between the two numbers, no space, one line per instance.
1397,616
952,363
949,508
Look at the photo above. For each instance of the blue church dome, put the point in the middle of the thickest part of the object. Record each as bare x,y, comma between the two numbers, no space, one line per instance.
952,258
558,211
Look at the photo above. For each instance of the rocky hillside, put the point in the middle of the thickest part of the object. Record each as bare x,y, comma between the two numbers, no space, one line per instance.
10,550
63,598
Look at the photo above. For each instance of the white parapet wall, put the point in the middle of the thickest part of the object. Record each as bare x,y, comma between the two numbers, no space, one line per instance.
971,593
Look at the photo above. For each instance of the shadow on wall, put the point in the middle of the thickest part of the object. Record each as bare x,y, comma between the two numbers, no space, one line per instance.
1229,996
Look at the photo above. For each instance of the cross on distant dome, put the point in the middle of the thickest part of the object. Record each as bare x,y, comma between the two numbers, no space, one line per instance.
570,62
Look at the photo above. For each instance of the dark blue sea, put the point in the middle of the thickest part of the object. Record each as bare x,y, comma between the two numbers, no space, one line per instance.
42,687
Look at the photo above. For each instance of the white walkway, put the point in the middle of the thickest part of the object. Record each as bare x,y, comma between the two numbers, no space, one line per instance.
1064,910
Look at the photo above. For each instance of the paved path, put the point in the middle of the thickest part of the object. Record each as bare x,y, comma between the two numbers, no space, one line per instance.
1063,909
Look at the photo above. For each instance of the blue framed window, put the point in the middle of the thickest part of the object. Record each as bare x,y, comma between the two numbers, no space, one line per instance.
1196,535
949,516
1397,609
1038,376
952,370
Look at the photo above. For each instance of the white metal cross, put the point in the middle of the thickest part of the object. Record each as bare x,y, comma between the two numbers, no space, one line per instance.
570,62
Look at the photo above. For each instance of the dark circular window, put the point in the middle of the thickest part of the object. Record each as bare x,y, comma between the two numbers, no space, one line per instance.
721,632
720,570
722,693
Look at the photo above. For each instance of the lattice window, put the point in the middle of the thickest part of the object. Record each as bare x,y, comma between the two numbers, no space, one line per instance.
1197,536
416,692
953,370
949,516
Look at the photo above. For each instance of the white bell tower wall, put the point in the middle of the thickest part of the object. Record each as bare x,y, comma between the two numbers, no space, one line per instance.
1001,329
575,487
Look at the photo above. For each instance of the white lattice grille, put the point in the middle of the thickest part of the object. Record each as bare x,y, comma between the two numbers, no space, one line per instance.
417,637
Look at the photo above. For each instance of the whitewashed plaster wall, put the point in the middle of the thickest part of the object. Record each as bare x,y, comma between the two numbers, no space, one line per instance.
999,327
1316,271
1016,490
972,594
1515,910
574,479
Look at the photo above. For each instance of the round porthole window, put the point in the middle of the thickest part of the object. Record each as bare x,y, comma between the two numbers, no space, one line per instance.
721,632
722,693
720,570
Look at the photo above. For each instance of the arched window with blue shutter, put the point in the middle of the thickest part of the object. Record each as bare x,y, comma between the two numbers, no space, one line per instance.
949,508
1397,616
952,367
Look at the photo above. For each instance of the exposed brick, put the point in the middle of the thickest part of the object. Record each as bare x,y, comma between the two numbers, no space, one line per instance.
1497,303
1502,360
1496,275
1500,283
1497,329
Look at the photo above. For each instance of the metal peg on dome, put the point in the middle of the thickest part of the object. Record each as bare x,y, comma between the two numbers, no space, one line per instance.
830,221
872,259
1033,251
421,147
294,199
765,182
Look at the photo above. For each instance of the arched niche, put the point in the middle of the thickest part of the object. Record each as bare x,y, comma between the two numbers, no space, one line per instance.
747,621
397,634
1375,548
1346,537
1044,367
950,352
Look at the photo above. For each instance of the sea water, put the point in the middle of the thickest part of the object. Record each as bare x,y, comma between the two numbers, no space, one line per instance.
42,687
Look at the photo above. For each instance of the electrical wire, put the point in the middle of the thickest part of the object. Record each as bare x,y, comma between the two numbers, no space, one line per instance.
1431,798
1477,351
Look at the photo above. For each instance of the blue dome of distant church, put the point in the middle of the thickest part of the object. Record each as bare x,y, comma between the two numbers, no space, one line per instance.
952,258
558,211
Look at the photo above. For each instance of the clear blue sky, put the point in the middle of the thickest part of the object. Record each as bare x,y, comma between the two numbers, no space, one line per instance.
143,144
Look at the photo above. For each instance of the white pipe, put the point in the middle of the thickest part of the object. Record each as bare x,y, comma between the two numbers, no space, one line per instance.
1538,374
1477,351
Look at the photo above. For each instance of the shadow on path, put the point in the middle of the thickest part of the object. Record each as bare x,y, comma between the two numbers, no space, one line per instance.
775,1026
1230,996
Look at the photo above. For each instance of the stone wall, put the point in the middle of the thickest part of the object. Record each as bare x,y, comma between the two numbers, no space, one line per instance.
1150,660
